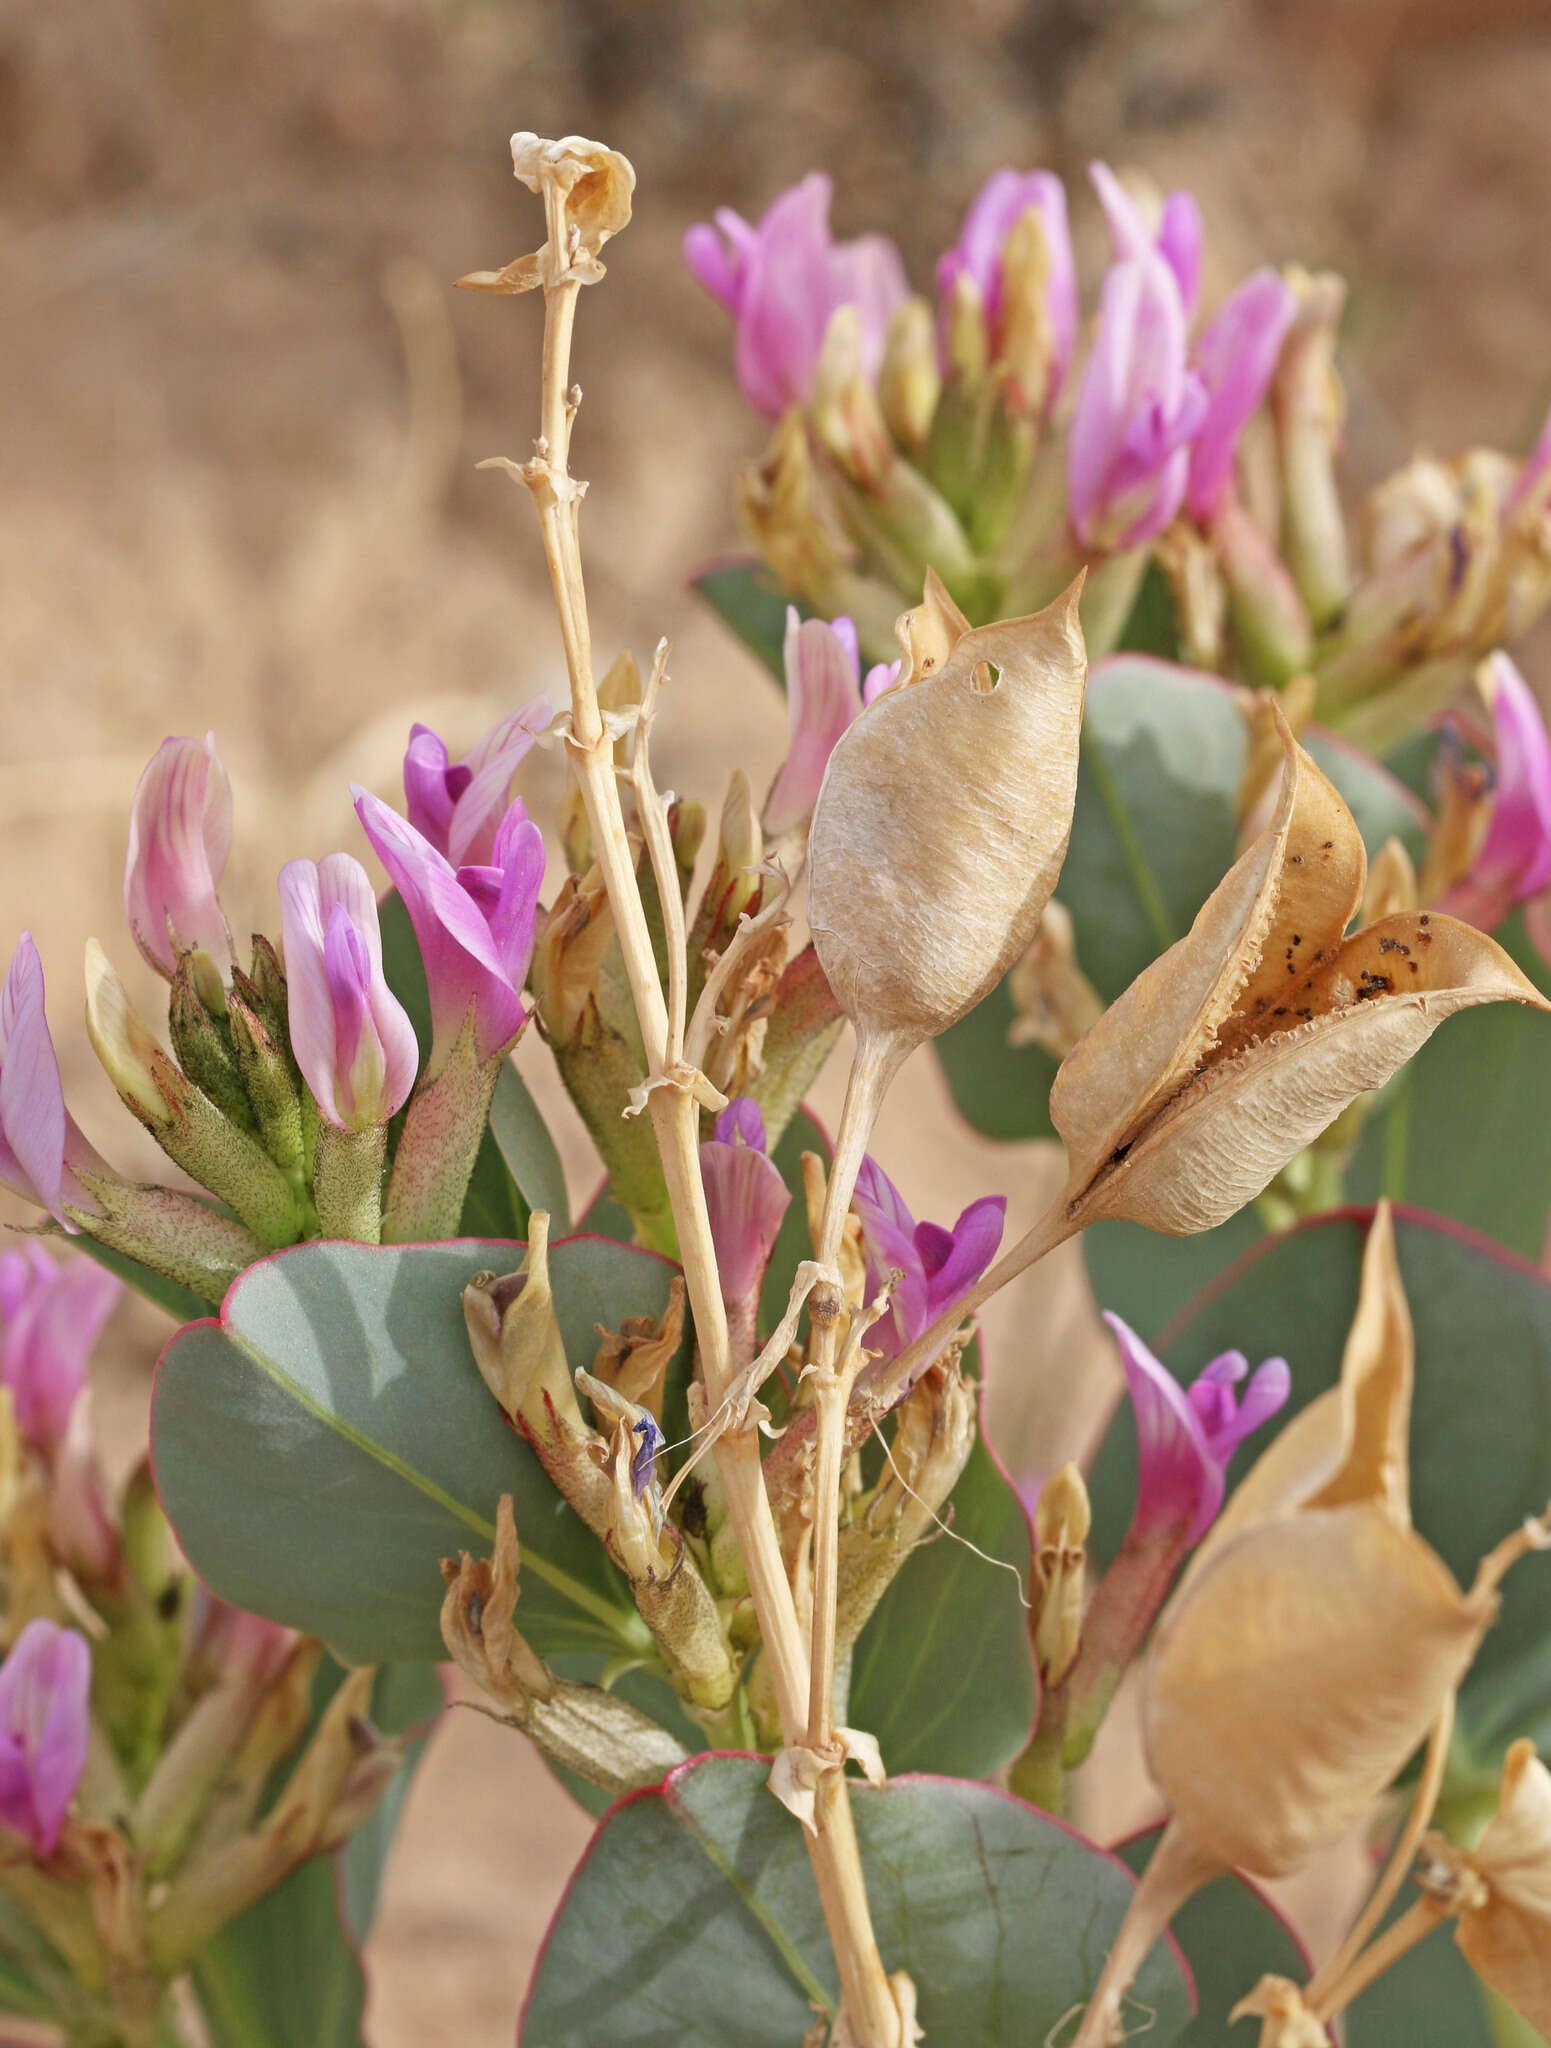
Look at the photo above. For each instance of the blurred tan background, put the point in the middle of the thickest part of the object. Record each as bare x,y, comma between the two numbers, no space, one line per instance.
240,409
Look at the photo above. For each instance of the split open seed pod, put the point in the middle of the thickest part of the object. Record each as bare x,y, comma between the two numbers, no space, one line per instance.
1507,1937
944,815
1316,1638
1245,1040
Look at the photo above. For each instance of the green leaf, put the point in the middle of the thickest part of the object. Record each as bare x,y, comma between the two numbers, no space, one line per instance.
285,1971
803,1134
1480,1444
329,1440
1146,1279
1465,1128
180,1303
943,1673
1152,625
745,596
1153,834
1432,1994
522,1138
1231,1936
697,1900
28,1962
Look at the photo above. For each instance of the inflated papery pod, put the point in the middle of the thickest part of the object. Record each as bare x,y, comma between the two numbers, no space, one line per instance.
1241,1043
943,819
1312,1645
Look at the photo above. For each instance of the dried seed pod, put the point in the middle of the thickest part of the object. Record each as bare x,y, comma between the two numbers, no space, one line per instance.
1241,1044
943,819
1316,1637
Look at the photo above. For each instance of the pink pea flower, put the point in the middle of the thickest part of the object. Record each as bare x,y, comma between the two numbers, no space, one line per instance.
50,1318
1139,407
1186,1437
784,279
180,833
40,1142
1235,358
1514,861
474,924
935,1267
994,212
823,696
44,1718
1179,238
746,1197
458,806
351,1035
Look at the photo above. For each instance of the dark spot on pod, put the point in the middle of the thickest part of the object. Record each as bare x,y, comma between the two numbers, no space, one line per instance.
1412,965
1424,918
1328,844
1297,938
1296,859
1280,1010
1120,1152
1307,1016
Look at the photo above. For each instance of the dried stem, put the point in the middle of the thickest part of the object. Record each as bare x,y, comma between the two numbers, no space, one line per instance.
1413,1926
868,2003
874,1066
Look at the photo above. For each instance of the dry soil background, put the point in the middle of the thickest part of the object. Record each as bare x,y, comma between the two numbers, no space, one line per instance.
240,408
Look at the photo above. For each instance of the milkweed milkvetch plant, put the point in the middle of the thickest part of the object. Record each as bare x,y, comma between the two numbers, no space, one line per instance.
1175,803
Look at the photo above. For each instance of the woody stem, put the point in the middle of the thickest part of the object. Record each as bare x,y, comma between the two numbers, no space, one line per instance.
867,2002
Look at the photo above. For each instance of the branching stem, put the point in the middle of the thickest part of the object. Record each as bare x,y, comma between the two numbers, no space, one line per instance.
869,2010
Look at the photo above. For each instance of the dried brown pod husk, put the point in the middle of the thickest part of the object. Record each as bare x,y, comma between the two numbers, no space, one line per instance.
1248,1037
1506,1937
944,816
1316,1637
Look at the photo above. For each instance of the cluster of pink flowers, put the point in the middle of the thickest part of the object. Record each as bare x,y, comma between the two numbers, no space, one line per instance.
1156,414
468,865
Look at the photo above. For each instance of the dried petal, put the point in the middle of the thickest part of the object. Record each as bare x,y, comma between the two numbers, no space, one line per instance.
1508,1940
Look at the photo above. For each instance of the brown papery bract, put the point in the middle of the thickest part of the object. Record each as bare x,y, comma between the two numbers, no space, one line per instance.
1316,1637
1507,1938
943,819
1248,1038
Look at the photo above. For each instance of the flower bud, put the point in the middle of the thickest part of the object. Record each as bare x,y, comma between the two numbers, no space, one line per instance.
50,1319
844,408
521,1357
180,833
909,381
1307,408
185,1123
823,698
44,1721
1271,631
1062,1518
201,1038
634,1360
40,1142
351,1035
746,1198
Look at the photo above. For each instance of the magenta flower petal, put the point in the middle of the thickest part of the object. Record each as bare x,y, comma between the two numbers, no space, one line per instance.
1138,408
1235,358
40,1142
937,1266
878,679
745,1196
995,210
459,806
180,833
44,1720
474,925
1514,861
50,1319
1186,1439
1179,238
781,282
823,696
351,1035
